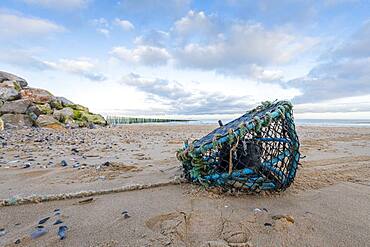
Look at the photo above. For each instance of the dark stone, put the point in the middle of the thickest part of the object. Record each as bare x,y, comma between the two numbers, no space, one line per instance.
16,120
5,76
17,106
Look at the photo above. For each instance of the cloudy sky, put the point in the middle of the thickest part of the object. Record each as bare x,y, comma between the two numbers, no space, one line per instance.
183,57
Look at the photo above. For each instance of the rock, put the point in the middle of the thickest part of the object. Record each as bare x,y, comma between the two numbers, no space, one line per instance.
7,94
62,232
33,116
27,106
125,215
71,124
43,220
56,104
38,233
4,76
2,232
43,109
57,222
1,124
27,165
34,109
47,121
65,102
17,120
93,118
78,107
63,163
10,84
64,114
17,106
37,95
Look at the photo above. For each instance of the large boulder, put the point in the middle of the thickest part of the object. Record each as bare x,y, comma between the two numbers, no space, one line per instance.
56,104
48,121
37,95
16,120
65,102
44,109
17,106
78,107
64,114
93,118
7,93
4,76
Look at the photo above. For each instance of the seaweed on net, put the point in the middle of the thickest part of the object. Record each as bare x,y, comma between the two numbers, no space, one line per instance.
258,151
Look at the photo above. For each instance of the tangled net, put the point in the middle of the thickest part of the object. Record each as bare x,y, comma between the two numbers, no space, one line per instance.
258,151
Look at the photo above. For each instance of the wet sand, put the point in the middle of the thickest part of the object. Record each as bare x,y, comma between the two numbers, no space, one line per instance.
327,205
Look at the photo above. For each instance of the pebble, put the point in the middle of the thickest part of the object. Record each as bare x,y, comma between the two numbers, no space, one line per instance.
18,241
63,163
62,232
38,233
2,232
43,220
58,222
125,215
257,210
26,165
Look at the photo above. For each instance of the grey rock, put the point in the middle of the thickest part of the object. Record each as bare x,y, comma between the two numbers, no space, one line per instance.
33,116
45,120
64,101
64,114
35,110
16,106
5,76
7,93
16,120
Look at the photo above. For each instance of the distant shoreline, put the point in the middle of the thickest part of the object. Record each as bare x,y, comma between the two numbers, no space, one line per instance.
115,120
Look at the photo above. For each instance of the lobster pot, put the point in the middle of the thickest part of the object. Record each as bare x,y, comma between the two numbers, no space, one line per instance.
258,151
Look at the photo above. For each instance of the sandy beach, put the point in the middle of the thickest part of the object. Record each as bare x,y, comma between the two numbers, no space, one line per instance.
327,205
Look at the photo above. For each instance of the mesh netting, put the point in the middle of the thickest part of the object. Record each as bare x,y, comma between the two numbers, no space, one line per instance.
258,151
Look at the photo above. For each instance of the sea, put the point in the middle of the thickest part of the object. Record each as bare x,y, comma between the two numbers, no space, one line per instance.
299,122
305,122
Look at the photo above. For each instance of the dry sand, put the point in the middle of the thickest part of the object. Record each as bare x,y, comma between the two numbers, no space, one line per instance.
328,204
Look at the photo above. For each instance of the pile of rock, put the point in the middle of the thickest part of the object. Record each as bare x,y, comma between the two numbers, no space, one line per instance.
21,106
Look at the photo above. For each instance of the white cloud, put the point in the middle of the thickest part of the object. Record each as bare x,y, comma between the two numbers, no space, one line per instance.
27,59
103,31
142,55
178,99
244,44
100,22
343,72
17,25
153,37
194,22
83,66
124,24
59,4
